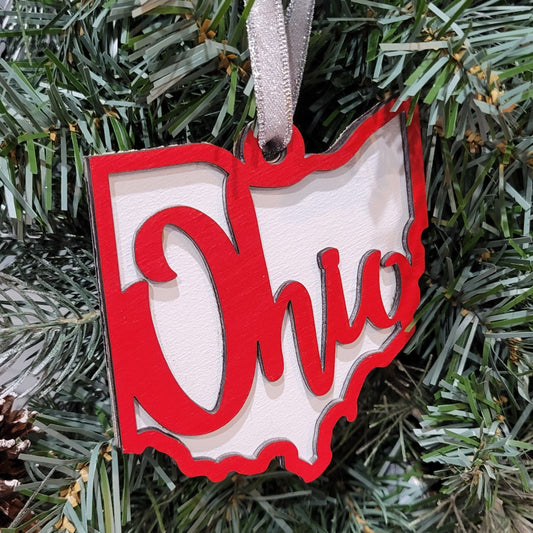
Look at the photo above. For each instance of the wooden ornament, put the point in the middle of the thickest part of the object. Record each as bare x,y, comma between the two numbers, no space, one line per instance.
245,300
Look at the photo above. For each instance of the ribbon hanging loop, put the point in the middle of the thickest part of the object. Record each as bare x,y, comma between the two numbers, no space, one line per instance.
278,48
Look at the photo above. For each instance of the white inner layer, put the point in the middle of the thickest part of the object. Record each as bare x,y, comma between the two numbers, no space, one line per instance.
359,207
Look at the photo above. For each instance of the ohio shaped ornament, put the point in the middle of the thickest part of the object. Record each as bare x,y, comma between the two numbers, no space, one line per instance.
246,301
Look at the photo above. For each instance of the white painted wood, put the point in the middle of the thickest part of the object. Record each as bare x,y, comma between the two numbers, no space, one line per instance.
359,207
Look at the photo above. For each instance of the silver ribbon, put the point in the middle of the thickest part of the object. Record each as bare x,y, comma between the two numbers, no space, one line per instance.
278,47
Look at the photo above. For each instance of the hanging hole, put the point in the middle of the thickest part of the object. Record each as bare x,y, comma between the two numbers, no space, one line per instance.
273,152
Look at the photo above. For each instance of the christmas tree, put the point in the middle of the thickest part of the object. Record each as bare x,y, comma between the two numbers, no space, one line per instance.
444,437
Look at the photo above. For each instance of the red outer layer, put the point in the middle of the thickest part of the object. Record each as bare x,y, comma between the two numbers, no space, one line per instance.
138,366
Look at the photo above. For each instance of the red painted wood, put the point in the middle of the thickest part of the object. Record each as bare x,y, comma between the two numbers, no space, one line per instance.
139,369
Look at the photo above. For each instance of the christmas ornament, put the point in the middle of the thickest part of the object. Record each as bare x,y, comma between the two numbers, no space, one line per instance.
247,296
246,301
